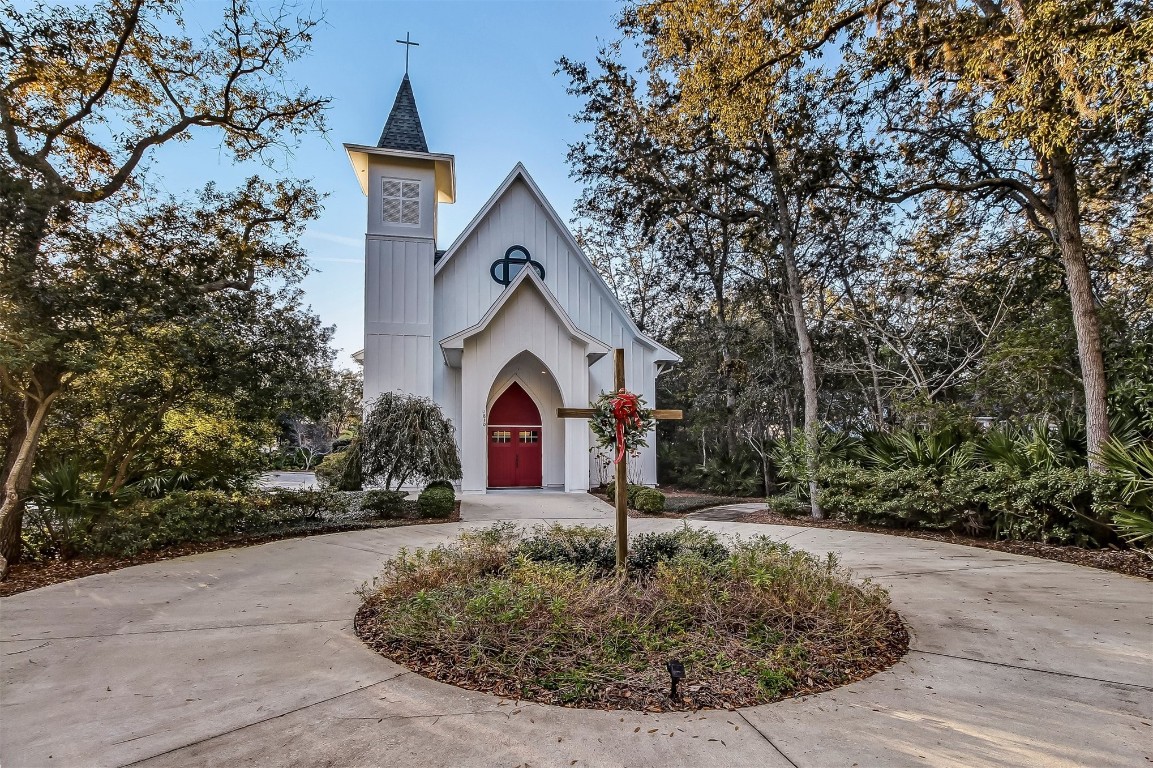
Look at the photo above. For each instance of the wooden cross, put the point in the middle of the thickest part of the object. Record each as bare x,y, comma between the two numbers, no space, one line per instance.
622,494
407,43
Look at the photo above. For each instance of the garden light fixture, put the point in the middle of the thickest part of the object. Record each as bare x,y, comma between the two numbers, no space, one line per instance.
676,672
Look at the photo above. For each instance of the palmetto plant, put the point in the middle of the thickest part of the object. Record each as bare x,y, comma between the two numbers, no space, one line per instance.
1131,461
66,505
1027,449
941,451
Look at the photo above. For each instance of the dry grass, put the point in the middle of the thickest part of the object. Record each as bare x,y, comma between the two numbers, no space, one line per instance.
543,617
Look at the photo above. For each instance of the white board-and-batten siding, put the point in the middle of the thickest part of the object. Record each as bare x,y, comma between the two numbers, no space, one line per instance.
398,323
465,292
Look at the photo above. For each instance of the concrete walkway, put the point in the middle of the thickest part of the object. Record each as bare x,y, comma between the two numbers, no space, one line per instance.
247,657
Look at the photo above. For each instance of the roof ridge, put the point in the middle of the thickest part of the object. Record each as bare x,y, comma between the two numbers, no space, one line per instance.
403,129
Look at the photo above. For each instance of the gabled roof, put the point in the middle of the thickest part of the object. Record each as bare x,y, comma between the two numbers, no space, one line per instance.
403,129
453,347
520,172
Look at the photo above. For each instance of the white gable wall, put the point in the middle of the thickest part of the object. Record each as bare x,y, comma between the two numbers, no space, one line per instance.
486,357
465,291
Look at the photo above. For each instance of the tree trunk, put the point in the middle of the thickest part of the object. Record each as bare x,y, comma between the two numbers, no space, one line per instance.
804,342
1086,322
29,412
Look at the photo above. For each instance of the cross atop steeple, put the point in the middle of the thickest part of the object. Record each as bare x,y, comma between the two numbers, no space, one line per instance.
407,43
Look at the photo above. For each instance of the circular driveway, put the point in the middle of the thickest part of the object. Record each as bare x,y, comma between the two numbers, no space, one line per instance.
247,657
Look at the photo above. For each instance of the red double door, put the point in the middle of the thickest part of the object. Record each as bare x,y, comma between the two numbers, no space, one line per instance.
514,441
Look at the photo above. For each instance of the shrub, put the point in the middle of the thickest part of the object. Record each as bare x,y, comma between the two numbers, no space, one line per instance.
648,550
1051,505
179,518
611,492
908,497
649,500
406,439
341,471
1059,504
785,505
739,473
577,545
309,504
436,502
1131,462
65,508
383,504
441,484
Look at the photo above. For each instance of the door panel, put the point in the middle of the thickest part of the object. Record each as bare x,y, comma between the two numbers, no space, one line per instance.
501,458
529,463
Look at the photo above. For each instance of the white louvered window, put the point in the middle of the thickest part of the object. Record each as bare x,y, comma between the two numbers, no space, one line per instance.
401,201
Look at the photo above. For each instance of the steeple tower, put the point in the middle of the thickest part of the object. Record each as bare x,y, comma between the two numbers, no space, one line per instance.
404,184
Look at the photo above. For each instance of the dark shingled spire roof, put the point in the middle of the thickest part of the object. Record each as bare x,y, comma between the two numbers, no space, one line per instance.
403,131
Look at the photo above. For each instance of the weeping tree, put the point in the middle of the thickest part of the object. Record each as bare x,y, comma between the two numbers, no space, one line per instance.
405,439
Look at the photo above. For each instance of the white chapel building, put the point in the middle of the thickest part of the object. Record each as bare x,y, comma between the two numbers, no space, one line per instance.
505,325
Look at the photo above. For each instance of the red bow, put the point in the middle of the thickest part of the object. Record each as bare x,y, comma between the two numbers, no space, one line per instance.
626,411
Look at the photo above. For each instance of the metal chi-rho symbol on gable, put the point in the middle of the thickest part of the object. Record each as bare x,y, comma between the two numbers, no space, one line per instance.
515,258
622,475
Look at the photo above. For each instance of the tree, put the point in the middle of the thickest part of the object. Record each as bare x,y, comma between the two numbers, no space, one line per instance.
241,358
726,193
87,93
405,438
1034,104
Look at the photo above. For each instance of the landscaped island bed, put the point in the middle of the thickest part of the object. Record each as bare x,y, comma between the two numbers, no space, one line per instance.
543,616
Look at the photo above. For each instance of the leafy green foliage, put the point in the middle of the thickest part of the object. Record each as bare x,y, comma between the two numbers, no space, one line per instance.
1132,464
383,504
729,473
436,501
90,257
649,500
406,439
342,470
308,504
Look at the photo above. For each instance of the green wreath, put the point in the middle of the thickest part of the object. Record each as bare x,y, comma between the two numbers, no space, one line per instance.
604,425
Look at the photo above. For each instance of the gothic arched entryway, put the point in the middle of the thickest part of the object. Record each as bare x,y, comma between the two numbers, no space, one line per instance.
514,441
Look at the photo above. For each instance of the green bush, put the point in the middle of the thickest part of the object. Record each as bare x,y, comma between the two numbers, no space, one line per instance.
441,484
726,473
179,518
576,545
785,505
611,492
649,500
309,504
341,470
1058,504
383,504
909,497
1131,462
436,502
648,550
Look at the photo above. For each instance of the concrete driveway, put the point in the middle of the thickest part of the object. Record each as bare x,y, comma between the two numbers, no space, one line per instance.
247,657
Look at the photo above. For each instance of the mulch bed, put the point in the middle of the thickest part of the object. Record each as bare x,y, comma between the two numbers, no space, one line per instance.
718,691
23,577
1127,561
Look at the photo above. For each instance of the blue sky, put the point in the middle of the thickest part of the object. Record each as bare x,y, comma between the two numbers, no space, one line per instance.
484,84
